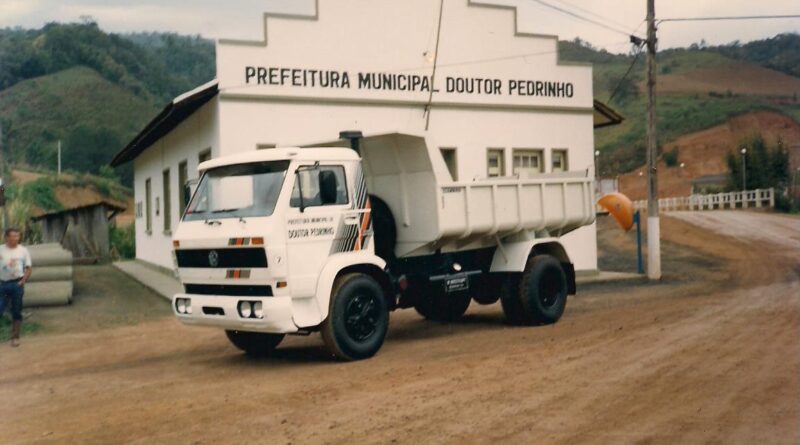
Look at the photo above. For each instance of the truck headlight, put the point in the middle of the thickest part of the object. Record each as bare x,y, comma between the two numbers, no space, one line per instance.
183,305
258,309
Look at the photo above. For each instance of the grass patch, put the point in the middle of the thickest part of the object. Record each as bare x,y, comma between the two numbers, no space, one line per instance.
39,193
28,328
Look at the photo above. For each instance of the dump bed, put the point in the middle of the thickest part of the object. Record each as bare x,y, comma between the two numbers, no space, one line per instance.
433,213
556,204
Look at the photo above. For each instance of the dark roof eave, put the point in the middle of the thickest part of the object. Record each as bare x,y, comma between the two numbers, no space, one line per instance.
170,117
613,117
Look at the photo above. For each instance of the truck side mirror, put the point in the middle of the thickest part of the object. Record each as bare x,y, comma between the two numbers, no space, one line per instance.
327,187
188,190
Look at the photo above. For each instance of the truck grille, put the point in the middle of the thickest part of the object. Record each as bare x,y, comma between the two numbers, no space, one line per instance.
229,289
222,258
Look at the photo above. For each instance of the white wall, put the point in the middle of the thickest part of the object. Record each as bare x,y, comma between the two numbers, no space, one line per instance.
194,135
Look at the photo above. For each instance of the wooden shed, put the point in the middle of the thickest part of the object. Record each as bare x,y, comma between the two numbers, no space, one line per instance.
83,230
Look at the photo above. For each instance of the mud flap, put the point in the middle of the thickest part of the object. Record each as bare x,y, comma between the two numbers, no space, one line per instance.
569,269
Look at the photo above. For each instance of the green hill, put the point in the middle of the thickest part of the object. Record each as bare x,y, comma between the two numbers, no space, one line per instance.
90,89
92,116
697,88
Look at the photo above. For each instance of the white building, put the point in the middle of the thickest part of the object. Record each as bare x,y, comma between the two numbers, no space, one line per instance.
495,101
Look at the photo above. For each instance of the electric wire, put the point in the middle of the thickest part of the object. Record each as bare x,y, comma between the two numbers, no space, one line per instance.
600,17
744,17
580,17
621,80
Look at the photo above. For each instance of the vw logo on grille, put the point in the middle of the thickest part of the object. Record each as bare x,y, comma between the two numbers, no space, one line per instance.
213,258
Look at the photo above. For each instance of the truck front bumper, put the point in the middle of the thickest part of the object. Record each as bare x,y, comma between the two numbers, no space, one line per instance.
222,311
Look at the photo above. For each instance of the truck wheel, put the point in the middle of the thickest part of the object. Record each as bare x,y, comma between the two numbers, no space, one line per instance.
440,306
358,318
543,290
255,343
509,299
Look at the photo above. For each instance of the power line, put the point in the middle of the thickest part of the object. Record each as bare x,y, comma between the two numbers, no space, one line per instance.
580,17
743,17
619,84
606,19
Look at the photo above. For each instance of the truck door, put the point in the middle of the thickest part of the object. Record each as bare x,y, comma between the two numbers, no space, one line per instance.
317,212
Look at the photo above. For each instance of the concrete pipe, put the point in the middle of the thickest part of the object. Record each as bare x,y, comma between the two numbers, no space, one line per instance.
50,257
45,246
51,273
48,293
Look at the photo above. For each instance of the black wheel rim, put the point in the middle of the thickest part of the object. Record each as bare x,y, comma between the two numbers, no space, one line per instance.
549,288
361,317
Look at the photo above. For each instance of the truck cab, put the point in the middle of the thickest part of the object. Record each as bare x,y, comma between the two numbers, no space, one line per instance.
290,241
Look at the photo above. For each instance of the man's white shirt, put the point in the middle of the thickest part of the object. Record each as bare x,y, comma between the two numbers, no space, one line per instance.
13,262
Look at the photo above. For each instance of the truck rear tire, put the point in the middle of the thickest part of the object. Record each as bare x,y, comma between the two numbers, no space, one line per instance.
255,343
358,318
440,306
543,290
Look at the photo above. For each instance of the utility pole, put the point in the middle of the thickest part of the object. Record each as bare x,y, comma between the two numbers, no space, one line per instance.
653,225
59,157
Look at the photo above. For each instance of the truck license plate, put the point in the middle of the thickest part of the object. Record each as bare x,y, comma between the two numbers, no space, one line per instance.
456,284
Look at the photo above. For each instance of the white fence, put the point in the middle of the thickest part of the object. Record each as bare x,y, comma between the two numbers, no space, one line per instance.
732,200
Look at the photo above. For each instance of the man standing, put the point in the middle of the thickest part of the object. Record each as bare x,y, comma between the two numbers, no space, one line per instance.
15,269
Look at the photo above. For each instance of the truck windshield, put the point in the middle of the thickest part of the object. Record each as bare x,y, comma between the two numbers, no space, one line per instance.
238,191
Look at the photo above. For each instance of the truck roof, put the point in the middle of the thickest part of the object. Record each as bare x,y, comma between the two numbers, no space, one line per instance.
285,153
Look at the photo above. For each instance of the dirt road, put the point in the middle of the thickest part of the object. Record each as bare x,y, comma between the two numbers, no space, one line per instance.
712,354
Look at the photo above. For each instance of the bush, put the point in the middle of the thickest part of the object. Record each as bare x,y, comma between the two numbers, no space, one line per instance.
123,241
671,157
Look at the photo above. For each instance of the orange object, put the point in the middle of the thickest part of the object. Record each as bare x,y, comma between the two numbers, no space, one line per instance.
620,207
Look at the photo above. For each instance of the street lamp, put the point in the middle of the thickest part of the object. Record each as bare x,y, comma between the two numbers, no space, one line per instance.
744,169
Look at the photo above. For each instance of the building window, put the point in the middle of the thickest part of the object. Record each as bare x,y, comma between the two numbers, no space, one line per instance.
560,160
495,162
528,162
148,221
183,177
167,201
204,155
449,155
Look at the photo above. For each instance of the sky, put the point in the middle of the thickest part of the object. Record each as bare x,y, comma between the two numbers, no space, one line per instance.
241,19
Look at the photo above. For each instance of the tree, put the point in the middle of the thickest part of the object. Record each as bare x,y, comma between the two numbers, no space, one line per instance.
765,166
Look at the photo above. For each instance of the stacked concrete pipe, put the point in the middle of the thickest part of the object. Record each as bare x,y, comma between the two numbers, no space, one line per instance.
51,281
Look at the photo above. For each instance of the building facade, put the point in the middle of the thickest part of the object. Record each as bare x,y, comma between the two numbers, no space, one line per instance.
492,100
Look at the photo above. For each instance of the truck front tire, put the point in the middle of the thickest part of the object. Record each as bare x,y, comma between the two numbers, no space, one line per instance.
255,343
358,318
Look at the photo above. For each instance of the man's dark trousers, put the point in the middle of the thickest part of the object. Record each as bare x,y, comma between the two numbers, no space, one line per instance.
11,292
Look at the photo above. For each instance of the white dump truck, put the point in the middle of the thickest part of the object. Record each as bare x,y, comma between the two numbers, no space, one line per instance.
299,240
